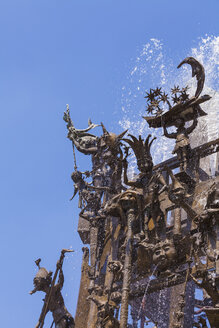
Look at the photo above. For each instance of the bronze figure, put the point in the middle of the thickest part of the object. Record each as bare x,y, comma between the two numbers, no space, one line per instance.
53,301
152,238
181,135
83,141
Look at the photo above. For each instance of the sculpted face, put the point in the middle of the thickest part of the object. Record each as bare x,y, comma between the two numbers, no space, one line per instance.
110,139
145,166
164,254
41,284
127,200
76,176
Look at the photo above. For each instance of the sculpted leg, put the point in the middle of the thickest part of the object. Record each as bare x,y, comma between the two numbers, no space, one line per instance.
65,323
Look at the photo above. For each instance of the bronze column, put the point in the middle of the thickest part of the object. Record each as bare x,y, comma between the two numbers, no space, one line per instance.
83,305
127,269
93,245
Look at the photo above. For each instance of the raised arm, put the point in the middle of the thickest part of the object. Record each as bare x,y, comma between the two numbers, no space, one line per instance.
167,134
125,177
61,279
162,181
193,126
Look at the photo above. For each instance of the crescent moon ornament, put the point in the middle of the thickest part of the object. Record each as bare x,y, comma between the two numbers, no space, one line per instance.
197,71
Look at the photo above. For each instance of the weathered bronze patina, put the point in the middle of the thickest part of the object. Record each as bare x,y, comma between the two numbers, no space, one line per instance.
53,301
154,237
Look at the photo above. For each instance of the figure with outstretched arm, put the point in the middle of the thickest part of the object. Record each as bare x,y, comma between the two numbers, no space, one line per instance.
141,149
181,135
81,139
53,301
132,183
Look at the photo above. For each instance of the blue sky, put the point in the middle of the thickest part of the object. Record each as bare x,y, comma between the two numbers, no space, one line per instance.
52,53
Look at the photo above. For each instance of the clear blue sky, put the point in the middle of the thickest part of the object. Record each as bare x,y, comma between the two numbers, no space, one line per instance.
52,53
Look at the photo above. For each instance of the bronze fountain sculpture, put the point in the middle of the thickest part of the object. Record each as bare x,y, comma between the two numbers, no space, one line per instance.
154,238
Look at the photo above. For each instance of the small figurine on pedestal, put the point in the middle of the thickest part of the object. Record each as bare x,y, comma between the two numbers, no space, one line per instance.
89,196
108,159
181,135
85,142
183,109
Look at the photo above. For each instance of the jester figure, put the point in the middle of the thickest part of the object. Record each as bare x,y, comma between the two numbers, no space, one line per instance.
53,301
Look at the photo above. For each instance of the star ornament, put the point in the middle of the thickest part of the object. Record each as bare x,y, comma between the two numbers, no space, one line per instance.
175,90
164,97
184,96
155,103
150,95
176,100
185,89
157,92
150,109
